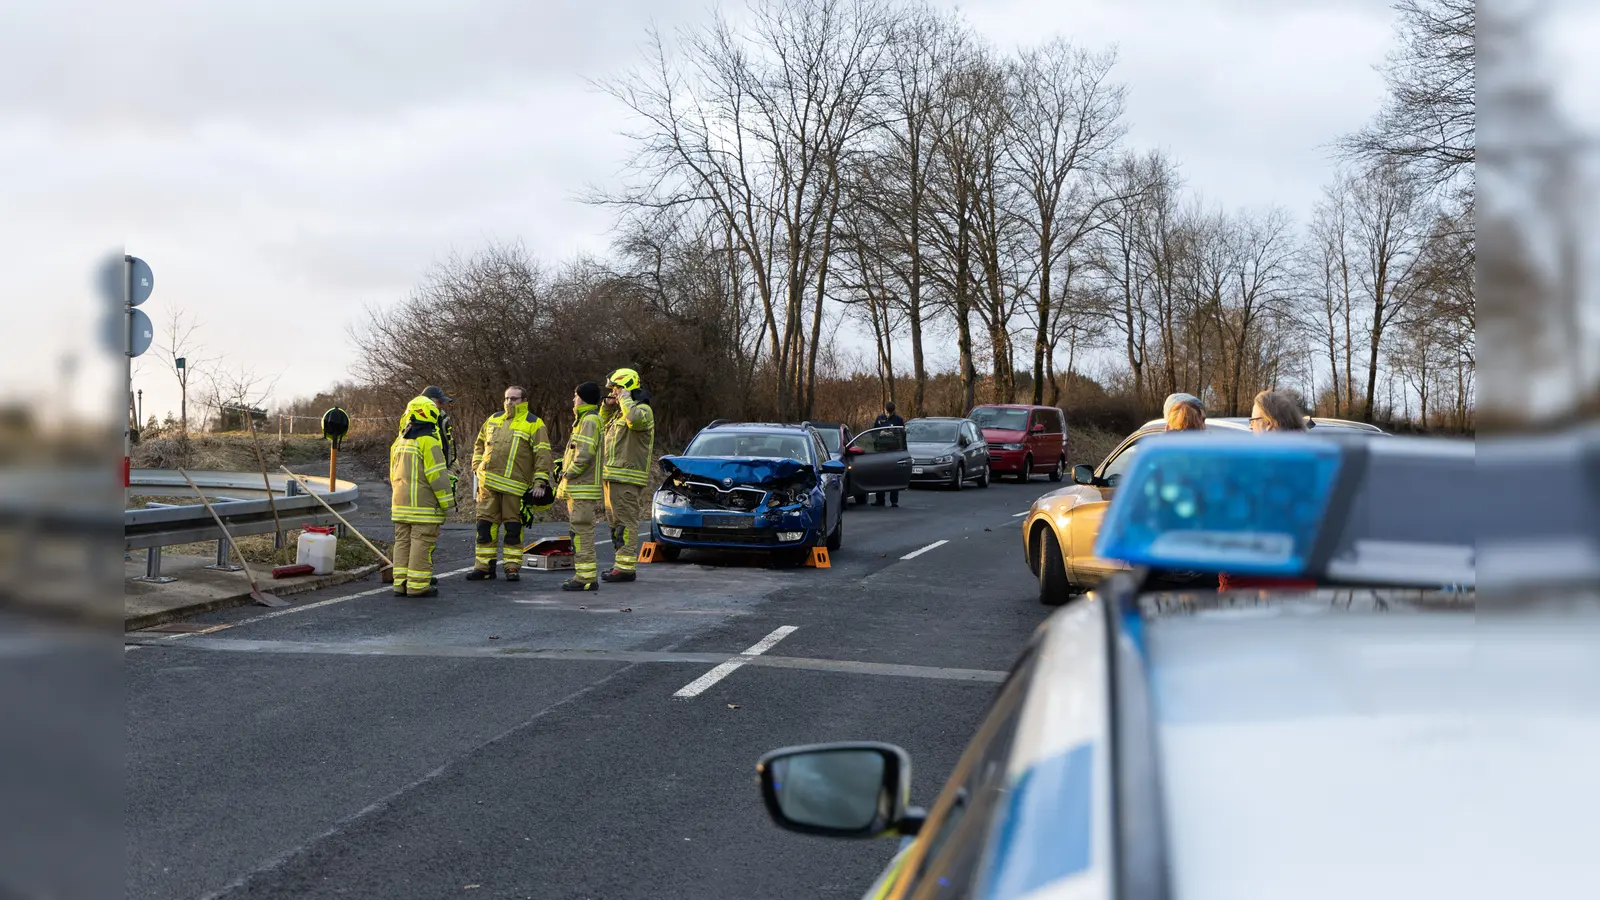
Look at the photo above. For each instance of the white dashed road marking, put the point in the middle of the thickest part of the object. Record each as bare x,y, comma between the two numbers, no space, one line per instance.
698,686
916,553
1019,515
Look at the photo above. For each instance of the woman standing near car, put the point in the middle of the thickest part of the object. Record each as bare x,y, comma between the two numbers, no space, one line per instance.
1183,412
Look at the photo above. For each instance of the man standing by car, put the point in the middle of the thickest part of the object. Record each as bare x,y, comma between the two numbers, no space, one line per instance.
511,457
630,437
888,419
581,487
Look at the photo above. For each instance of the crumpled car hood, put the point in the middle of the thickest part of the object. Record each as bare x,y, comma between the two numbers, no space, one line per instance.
741,470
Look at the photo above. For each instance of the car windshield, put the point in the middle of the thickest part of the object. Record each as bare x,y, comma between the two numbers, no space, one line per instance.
830,436
931,432
1003,419
761,446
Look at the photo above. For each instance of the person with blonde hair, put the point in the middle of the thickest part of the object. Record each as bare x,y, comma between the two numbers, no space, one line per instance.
1274,411
1184,412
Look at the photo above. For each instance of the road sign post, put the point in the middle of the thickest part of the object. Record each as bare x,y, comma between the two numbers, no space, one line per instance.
137,283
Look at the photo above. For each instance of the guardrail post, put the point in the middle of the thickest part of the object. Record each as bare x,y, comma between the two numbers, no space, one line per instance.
152,568
222,564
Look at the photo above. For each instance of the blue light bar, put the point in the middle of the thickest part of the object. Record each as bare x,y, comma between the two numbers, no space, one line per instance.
1208,503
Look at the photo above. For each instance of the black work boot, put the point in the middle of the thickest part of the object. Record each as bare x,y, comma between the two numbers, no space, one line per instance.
513,575
482,574
616,575
400,591
430,592
573,584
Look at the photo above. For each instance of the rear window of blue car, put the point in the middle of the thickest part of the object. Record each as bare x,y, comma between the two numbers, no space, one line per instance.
760,446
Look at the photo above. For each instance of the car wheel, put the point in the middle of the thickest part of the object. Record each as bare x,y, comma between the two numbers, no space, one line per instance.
668,553
1026,471
983,480
837,537
958,480
1059,471
1054,588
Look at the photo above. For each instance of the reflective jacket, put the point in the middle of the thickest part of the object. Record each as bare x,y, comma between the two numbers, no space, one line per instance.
417,473
580,466
630,438
512,452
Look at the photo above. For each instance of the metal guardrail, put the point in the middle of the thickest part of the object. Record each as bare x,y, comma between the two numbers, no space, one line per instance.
240,500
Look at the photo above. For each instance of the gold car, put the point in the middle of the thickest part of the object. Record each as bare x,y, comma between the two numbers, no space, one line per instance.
1059,532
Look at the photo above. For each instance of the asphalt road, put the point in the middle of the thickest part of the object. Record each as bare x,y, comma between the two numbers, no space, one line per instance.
510,740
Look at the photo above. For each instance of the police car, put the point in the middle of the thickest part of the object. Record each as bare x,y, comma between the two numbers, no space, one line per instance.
1346,738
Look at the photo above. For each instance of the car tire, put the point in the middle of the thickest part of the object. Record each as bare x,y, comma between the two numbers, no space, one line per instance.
836,539
1054,588
1060,471
1026,472
958,479
983,480
668,553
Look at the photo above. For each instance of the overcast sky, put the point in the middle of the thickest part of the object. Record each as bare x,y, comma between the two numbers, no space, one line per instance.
283,165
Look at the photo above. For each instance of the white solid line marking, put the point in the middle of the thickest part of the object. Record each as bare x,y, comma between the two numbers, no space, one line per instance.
1019,515
698,686
916,553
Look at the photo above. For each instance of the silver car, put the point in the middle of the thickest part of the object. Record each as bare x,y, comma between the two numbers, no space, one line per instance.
948,451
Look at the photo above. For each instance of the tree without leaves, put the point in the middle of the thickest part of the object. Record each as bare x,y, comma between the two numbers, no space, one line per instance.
1066,120
1429,123
756,128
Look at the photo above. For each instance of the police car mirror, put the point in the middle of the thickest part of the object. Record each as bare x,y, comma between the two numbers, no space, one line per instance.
1082,475
847,790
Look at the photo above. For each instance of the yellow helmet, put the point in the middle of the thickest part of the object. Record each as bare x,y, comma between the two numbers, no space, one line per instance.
421,409
627,379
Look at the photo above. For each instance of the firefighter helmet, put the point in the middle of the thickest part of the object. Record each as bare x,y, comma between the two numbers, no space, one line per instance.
627,379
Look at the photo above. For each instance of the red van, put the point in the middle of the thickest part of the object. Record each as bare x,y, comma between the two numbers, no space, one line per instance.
1024,440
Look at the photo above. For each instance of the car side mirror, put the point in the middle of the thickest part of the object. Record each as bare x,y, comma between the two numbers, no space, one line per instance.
1038,428
853,789
854,450
1082,475
834,467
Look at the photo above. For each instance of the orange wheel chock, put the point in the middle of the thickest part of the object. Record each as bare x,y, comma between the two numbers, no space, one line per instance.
647,553
819,558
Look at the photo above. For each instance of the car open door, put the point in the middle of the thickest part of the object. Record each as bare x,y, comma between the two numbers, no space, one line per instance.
878,460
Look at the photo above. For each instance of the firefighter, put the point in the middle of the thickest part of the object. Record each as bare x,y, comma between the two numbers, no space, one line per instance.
510,458
423,491
630,435
580,485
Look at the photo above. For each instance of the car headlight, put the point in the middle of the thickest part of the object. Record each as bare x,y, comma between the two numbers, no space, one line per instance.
942,460
671,500
1010,446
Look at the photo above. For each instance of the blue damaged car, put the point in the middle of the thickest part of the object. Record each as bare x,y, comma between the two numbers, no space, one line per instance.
750,486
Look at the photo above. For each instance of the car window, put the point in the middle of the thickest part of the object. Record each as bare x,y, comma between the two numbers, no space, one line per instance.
1052,421
1000,418
1118,465
881,440
830,439
821,446
961,817
931,432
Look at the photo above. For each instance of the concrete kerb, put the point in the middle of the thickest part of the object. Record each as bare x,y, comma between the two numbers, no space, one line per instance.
138,621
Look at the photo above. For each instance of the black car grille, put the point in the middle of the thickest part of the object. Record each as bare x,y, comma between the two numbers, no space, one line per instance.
705,496
714,536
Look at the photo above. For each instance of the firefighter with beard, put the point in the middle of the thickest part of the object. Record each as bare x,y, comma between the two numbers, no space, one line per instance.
581,486
630,435
511,458
422,492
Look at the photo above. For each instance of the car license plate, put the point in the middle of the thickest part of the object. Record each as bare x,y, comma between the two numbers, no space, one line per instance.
916,470
725,522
